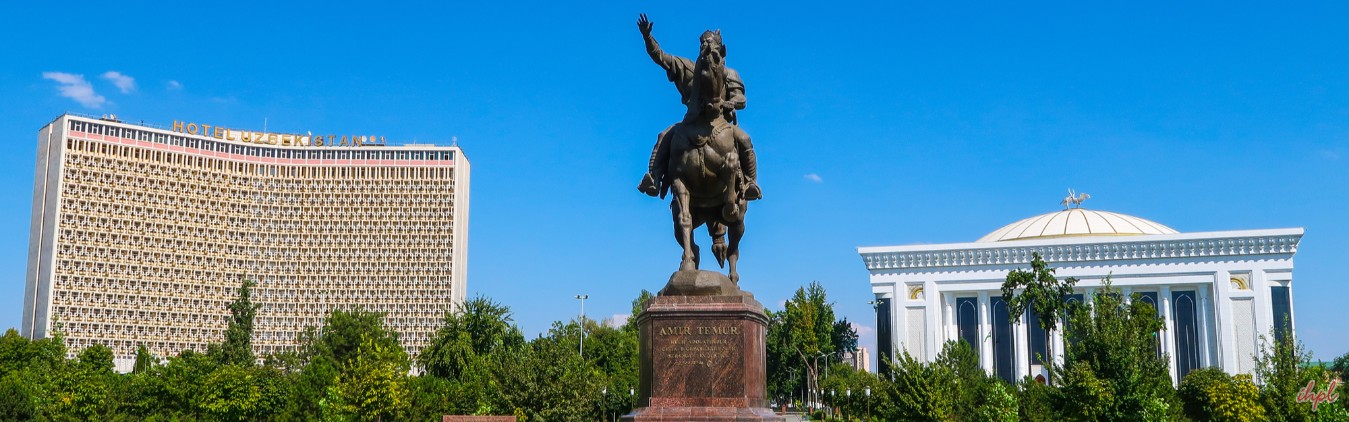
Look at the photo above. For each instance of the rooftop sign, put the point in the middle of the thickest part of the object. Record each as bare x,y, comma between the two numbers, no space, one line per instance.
277,139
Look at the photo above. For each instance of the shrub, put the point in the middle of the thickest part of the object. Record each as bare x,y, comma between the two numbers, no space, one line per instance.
1280,368
1194,392
1000,404
1035,403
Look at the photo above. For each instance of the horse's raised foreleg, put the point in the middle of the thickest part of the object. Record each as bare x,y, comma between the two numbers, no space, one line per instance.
733,249
683,225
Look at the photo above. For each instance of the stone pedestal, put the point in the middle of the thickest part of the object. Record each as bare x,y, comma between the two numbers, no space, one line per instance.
702,359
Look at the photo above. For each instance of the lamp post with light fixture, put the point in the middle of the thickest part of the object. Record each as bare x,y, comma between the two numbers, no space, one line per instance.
583,324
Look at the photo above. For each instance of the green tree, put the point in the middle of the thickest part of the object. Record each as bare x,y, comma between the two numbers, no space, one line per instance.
1340,365
1034,401
1000,404
14,352
1040,293
345,333
144,360
24,376
472,331
179,387
229,393
613,352
81,390
1281,369
96,359
373,386
18,400
332,354
843,338
919,392
548,380
1320,376
1111,370
781,360
845,391
638,305
808,319
238,346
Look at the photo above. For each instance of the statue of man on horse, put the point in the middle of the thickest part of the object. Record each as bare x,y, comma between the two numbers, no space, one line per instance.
705,159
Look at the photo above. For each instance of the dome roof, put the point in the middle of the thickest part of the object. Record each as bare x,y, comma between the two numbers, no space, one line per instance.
1076,222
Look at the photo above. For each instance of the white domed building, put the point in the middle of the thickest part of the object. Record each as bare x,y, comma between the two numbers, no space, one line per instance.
1216,291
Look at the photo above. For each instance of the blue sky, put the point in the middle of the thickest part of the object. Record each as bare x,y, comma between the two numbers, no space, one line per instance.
875,124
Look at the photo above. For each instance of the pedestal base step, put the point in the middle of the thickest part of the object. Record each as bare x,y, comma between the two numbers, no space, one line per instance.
702,414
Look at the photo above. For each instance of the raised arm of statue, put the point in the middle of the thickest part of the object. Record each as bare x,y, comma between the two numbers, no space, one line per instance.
676,68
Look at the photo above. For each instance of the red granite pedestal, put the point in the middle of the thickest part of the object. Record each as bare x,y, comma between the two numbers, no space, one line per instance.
702,359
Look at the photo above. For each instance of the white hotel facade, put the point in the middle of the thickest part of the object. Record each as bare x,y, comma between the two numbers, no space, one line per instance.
1216,291
142,235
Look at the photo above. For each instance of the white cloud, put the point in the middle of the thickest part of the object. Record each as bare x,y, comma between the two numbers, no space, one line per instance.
124,83
862,330
174,86
76,88
1330,155
616,320
814,178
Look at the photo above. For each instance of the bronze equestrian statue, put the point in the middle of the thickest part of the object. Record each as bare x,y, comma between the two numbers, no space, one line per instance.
706,159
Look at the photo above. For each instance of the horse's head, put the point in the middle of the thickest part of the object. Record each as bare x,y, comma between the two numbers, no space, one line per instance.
710,48
710,69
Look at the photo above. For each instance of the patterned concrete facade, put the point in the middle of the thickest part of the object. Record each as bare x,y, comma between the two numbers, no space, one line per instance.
143,235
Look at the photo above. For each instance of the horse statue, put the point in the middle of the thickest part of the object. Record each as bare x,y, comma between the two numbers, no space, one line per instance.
704,170
1074,200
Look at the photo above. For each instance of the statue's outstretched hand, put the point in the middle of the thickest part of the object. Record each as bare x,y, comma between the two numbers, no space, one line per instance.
644,25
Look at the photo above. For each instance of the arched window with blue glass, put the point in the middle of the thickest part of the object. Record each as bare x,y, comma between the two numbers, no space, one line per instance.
967,320
1150,298
1004,341
1183,312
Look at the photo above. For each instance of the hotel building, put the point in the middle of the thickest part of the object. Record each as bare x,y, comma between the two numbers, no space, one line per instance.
1216,292
142,235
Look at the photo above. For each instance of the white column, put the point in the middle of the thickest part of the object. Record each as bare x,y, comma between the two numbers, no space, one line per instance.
1169,340
1090,299
1056,342
1127,294
1226,328
1204,360
1264,313
932,299
1292,315
949,320
985,333
1022,348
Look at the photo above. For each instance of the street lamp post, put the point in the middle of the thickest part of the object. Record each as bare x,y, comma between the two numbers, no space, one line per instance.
868,403
583,324
876,308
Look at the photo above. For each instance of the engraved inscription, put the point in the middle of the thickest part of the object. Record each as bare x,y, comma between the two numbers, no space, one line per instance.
699,345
